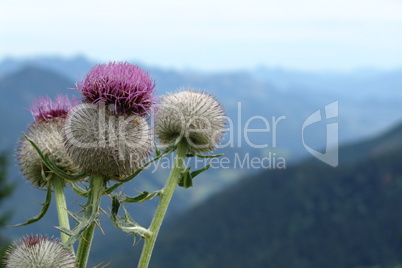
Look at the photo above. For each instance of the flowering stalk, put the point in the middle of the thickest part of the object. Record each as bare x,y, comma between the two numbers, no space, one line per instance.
165,197
58,186
96,190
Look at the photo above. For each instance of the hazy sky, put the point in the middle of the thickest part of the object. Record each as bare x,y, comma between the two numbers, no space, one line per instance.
209,34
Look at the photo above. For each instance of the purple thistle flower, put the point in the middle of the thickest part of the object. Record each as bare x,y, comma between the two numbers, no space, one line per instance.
44,109
126,86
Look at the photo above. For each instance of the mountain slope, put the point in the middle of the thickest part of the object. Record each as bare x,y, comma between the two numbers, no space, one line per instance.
72,68
304,216
18,90
30,81
386,142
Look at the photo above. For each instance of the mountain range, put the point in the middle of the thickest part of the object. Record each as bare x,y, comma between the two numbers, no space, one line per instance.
368,125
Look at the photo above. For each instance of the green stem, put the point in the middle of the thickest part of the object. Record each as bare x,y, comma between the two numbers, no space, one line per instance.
58,186
165,197
96,190
85,246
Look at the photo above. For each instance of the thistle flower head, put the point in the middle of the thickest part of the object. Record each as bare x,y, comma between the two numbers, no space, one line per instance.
46,133
191,115
44,109
125,85
104,143
39,251
48,137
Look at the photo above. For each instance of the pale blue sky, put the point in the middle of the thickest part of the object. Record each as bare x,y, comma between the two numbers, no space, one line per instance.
209,34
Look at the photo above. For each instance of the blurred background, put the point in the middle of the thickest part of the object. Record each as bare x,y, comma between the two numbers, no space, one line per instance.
272,64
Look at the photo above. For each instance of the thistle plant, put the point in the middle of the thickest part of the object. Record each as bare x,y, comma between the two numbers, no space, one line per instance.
104,142
46,133
193,122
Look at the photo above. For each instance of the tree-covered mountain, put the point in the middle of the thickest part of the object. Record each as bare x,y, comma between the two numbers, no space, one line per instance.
385,142
6,190
308,215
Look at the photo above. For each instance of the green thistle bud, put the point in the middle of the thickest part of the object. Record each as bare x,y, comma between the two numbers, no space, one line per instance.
39,252
194,116
104,143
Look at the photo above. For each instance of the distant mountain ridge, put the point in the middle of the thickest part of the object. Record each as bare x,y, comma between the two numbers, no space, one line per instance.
72,68
344,83
360,94
387,142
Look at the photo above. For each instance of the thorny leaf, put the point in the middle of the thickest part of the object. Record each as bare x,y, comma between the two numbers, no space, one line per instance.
45,207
